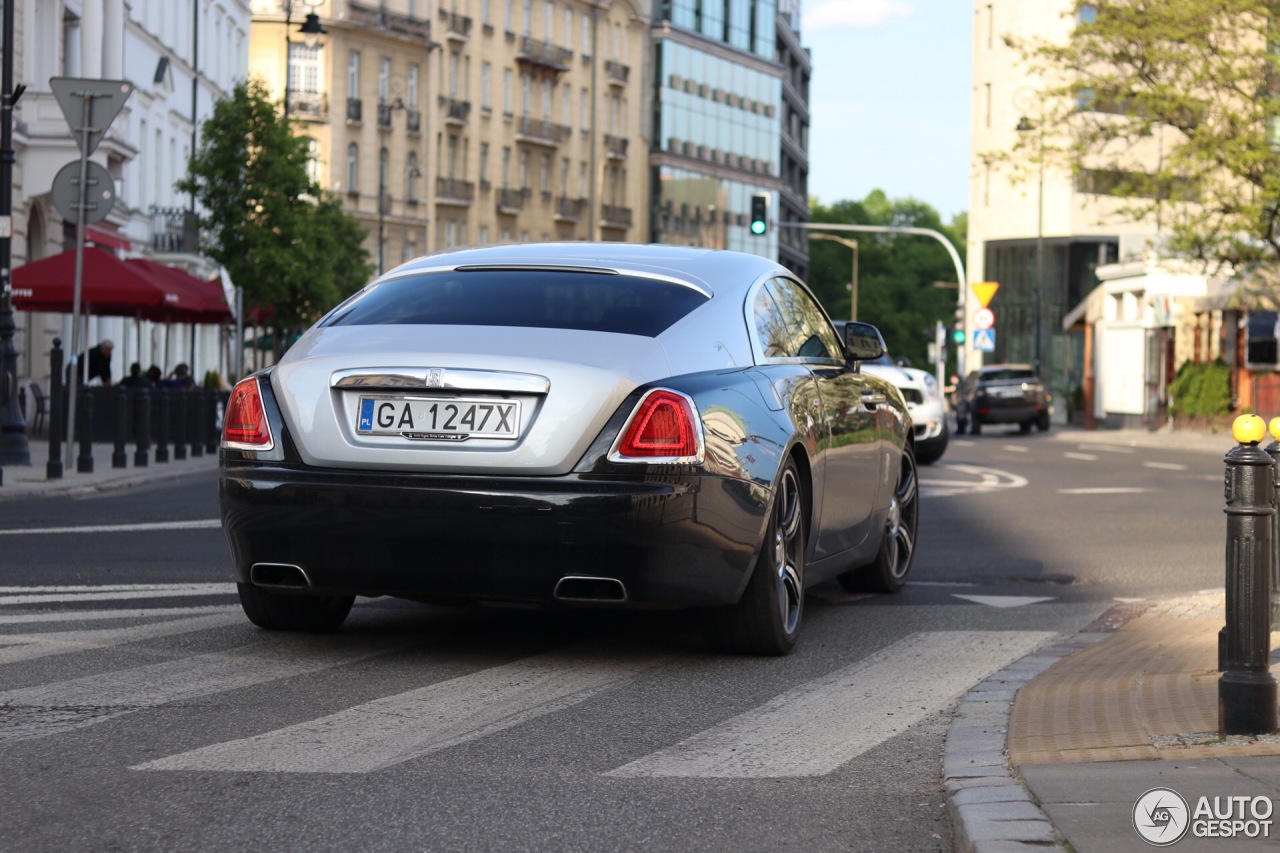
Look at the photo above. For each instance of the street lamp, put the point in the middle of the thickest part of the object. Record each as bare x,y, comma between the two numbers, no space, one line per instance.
1026,125
852,287
311,30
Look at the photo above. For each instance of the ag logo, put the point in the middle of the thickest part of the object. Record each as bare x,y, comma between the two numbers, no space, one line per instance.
1161,816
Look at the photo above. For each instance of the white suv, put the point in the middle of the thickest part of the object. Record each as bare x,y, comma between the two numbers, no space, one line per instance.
925,402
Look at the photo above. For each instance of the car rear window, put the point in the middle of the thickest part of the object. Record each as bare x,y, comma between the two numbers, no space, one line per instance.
546,299
1008,375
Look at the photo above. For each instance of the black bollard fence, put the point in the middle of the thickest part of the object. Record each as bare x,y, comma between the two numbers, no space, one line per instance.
53,468
84,427
141,427
164,402
181,423
120,427
198,397
212,421
1246,688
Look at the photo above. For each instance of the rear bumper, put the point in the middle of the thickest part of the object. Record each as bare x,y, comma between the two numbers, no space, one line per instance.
671,541
1007,413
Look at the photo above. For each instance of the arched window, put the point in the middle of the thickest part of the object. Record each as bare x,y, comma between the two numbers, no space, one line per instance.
411,175
353,170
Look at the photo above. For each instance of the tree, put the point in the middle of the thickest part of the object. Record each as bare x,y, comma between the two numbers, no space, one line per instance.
285,241
1172,107
896,272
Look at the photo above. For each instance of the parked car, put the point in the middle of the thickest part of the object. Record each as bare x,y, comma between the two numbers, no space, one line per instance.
1002,394
924,401
571,425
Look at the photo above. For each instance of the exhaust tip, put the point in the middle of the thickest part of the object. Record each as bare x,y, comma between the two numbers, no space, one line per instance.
588,589
285,575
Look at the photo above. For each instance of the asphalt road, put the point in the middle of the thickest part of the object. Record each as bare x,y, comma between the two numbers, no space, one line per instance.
140,711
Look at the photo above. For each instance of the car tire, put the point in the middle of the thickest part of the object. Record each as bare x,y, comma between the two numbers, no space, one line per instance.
1042,422
888,571
277,611
766,621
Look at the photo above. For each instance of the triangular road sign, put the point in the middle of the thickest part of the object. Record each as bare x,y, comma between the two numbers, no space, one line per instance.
984,290
106,98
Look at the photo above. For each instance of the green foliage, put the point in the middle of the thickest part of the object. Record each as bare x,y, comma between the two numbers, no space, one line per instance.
1201,389
896,272
1174,107
287,243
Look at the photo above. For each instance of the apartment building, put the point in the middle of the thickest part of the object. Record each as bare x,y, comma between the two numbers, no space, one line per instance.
488,121
719,79
1041,232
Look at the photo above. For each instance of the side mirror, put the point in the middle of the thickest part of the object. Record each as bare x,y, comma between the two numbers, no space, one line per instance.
862,342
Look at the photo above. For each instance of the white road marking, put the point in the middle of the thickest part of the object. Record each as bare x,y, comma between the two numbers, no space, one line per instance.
1107,448
1165,466
987,480
74,594
1087,457
206,524
1103,490
64,706
825,723
399,728
1003,600
20,647
98,615
1015,448
1128,600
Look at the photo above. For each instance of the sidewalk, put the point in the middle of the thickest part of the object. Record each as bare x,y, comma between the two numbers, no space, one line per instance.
20,481
1058,748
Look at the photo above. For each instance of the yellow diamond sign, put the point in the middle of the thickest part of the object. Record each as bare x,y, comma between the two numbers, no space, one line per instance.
984,290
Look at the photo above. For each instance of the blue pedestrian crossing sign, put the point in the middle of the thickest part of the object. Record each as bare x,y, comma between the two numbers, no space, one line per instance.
984,340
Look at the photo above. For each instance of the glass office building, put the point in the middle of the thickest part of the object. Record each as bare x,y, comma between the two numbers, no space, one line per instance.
718,103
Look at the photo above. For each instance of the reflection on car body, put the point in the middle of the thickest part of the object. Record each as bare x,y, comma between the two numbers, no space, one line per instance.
571,425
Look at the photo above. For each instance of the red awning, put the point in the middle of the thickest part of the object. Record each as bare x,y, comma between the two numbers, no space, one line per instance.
107,239
112,287
201,301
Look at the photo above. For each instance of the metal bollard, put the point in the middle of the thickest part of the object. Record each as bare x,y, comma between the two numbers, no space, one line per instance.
120,428
165,404
53,468
181,424
1246,688
142,427
197,422
1273,450
84,426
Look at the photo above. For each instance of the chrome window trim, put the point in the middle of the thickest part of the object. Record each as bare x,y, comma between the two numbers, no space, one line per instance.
757,346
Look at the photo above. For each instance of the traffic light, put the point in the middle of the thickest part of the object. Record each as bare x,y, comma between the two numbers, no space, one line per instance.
759,213
958,334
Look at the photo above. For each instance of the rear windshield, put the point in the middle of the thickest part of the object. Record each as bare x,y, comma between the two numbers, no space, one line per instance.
545,299
1014,374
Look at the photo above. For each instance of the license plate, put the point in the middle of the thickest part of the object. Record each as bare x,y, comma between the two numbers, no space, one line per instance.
430,419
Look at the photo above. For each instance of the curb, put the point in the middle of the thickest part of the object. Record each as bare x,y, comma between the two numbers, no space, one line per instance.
991,811
40,489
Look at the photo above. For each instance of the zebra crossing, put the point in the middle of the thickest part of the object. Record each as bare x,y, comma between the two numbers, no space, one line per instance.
807,730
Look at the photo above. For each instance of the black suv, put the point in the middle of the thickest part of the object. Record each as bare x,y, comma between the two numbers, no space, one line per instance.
1002,394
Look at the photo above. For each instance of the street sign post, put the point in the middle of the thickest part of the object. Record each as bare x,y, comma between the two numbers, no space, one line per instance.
89,107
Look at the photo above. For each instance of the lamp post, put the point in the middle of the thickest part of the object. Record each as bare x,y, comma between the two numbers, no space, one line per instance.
311,30
1026,125
13,433
853,282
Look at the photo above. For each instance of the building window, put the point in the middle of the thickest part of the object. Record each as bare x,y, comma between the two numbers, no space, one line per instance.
482,236
566,106
353,168
584,119
411,174
548,21
506,91
546,100
313,161
526,94
1261,348
544,174
384,79
524,170
484,12
411,87
353,75
568,28
586,35
485,71
304,68
526,13
484,162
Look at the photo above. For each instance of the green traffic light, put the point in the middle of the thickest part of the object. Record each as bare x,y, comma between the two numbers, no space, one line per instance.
757,227
958,336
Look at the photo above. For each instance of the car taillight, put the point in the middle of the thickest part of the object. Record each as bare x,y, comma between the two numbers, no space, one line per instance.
663,428
244,427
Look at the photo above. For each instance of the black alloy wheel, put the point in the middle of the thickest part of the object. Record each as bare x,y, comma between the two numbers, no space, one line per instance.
766,621
888,571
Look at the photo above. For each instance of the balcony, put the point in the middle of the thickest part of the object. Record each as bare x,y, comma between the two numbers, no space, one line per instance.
454,191
616,72
309,105
540,132
456,27
569,209
613,216
174,230
616,147
355,110
456,112
511,201
384,115
543,54
408,27
413,121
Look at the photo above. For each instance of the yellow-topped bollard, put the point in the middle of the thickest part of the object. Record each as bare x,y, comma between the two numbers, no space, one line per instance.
1249,429
1273,427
